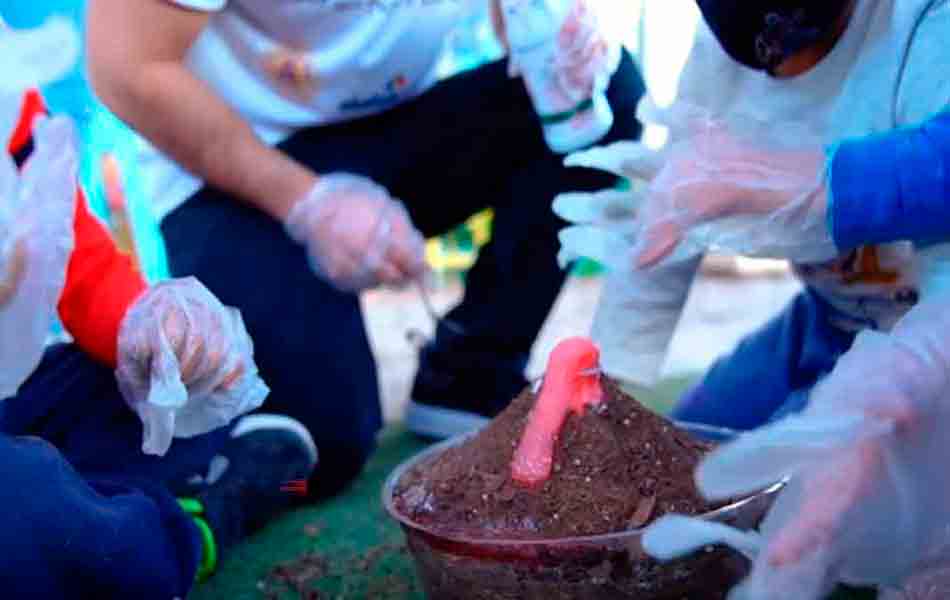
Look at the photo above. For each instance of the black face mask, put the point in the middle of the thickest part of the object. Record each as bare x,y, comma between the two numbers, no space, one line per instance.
761,34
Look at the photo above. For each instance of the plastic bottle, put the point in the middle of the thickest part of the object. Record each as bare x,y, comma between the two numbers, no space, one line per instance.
532,27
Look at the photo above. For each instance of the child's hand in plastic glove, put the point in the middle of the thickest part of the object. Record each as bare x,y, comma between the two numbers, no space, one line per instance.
719,190
186,363
357,236
868,497
585,59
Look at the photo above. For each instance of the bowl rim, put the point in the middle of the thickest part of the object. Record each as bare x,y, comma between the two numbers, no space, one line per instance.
389,487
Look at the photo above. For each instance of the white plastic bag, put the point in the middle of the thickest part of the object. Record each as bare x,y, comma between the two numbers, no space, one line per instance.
37,206
186,363
40,204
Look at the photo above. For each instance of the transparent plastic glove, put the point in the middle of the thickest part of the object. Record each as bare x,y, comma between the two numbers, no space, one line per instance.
868,497
36,239
638,311
631,160
606,222
736,192
357,236
585,59
186,363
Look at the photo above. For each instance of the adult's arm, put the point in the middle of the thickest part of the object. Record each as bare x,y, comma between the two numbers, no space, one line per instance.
137,51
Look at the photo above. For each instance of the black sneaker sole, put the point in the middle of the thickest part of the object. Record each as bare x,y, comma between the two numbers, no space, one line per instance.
438,422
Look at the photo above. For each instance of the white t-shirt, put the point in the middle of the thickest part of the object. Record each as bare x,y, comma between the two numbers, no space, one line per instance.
289,64
876,78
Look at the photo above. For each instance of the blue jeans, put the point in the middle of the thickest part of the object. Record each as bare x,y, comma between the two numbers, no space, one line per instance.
771,372
83,513
470,143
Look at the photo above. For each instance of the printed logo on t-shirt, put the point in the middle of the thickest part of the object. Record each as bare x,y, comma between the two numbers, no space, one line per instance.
389,95
292,73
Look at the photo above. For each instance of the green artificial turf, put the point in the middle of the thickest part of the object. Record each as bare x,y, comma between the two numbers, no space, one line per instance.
352,549
348,547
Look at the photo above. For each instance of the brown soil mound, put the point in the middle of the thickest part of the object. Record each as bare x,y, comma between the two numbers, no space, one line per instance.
616,467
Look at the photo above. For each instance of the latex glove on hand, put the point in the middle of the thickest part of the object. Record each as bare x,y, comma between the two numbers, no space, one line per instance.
186,363
357,236
585,59
37,207
720,191
638,311
868,497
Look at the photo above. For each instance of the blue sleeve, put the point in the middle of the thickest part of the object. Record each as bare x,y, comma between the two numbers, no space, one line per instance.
894,186
770,371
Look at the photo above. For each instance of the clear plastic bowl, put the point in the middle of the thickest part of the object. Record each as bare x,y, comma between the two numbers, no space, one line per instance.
602,567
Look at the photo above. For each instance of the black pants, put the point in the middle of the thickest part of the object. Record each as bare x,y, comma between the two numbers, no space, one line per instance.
471,142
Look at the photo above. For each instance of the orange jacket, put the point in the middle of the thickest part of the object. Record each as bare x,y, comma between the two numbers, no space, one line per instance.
101,282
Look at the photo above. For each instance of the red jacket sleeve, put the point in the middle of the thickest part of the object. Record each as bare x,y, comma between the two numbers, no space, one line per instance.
101,282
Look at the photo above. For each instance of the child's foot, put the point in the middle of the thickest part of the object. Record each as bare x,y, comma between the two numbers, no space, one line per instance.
260,472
